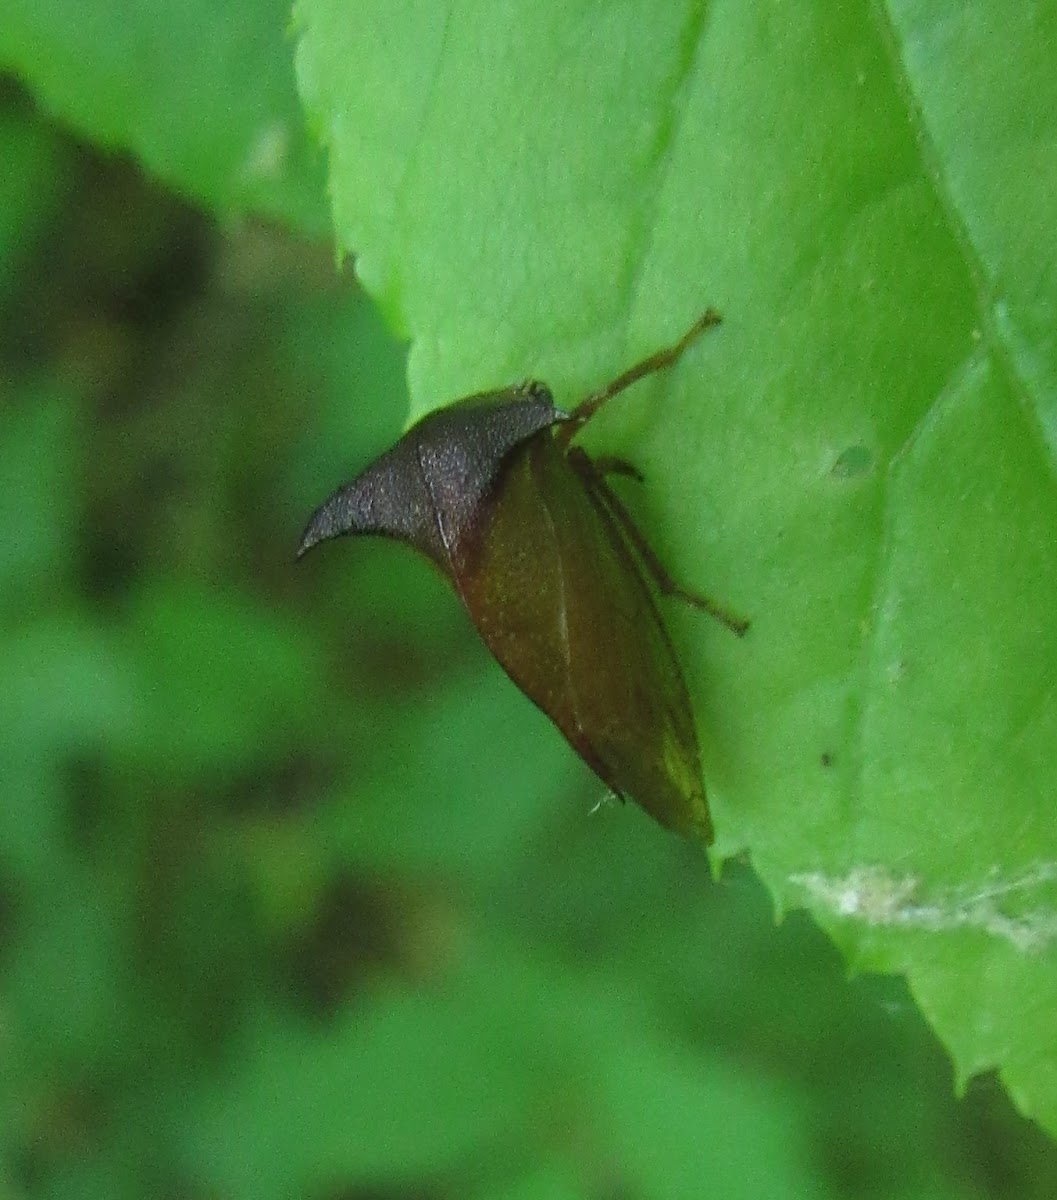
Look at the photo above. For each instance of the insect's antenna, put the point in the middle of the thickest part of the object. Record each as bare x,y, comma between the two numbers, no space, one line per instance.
659,361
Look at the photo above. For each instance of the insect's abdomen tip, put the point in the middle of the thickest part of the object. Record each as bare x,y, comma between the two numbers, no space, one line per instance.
702,829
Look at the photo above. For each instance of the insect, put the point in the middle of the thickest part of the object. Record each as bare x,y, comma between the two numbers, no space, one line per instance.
553,572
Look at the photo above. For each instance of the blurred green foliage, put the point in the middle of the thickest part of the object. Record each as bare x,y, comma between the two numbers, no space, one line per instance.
298,896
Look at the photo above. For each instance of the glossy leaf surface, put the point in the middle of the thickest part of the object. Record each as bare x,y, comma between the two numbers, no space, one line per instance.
866,461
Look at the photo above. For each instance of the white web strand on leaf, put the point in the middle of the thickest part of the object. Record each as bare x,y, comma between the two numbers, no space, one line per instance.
880,898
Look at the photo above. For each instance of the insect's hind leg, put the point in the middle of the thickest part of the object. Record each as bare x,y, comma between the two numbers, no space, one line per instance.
592,474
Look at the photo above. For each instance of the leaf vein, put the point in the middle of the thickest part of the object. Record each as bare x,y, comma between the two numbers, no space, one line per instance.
987,303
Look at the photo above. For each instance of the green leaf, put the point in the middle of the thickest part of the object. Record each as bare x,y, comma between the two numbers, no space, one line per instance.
861,459
200,91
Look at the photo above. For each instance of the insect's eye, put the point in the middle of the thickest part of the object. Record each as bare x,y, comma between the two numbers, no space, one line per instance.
532,389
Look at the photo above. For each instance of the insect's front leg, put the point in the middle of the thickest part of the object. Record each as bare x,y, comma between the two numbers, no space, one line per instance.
658,361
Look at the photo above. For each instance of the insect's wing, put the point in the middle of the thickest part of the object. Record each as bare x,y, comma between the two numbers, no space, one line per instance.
560,600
